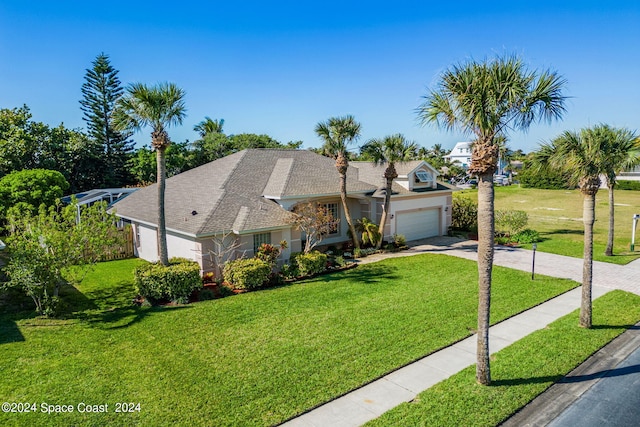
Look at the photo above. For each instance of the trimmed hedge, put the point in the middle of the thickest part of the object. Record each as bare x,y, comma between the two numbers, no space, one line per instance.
627,185
248,274
311,263
546,178
174,282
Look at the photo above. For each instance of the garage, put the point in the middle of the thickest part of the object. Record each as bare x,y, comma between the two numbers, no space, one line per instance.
418,224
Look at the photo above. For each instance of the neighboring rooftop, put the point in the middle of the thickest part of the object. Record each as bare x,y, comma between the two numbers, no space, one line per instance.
109,195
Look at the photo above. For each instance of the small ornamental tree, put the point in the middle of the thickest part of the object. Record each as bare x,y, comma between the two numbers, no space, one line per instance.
42,247
315,221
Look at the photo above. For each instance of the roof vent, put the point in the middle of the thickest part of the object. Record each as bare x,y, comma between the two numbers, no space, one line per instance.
194,213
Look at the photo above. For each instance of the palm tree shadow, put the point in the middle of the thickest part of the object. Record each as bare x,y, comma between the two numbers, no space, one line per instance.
123,317
560,379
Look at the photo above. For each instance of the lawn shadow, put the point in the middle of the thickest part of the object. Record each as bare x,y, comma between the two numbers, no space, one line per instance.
123,317
632,327
565,231
74,299
367,273
560,379
615,372
9,331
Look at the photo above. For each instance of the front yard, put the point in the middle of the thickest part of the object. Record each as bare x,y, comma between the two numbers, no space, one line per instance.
251,359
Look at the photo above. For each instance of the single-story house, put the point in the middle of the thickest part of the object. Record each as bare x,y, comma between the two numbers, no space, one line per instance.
251,194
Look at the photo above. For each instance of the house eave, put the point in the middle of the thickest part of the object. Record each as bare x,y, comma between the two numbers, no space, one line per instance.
314,196
150,224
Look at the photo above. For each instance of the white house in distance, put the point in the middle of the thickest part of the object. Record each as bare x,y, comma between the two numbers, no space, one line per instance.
461,154
251,194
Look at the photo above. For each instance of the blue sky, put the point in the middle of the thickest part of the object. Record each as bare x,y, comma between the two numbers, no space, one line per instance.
281,67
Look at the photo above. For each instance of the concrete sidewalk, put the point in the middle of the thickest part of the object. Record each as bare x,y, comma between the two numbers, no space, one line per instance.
404,384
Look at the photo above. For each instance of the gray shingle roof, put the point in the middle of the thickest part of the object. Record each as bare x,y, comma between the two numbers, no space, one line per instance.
374,174
235,192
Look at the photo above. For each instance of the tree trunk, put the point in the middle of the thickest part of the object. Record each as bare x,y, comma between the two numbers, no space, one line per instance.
609,250
486,235
385,212
342,165
162,228
588,217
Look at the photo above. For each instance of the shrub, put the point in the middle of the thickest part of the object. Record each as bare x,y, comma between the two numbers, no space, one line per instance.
311,263
289,271
399,240
511,221
464,213
246,273
526,236
174,282
357,253
545,178
206,294
274,279
628,185
339,261
268,253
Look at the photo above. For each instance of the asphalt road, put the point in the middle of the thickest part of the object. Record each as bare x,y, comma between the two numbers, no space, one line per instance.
602,391
612,401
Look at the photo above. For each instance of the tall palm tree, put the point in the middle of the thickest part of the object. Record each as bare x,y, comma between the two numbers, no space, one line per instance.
337,133
487,99
623,153
583,156
208,126
388,151
158,107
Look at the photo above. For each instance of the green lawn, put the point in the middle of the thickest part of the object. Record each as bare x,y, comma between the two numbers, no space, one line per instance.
251,359
557,216
520,372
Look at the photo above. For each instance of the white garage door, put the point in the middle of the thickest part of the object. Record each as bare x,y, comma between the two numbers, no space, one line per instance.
418,224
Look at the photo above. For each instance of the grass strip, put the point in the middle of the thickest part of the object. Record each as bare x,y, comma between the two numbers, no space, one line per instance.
520,372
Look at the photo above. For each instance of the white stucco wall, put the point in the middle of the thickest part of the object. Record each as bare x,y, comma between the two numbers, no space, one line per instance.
146,244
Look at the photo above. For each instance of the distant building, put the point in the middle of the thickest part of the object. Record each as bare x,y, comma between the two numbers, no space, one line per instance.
460,154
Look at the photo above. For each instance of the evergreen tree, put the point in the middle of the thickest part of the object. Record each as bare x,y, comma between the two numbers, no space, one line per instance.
101,91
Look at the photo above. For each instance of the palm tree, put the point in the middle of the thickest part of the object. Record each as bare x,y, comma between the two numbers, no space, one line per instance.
368,231
388,151
623,153
487,99
583,156
158,107
337,133
208,126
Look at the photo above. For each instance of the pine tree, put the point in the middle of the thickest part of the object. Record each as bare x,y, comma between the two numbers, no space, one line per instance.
101,91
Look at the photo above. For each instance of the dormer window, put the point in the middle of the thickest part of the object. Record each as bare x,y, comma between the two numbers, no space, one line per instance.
423,176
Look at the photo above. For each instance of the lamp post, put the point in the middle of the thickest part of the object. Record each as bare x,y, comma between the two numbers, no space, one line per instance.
636,217
533,263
